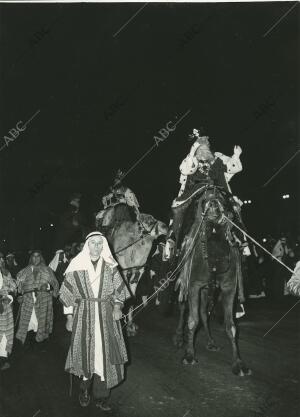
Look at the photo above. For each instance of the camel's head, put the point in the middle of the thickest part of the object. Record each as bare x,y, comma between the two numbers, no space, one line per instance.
154,227
213,204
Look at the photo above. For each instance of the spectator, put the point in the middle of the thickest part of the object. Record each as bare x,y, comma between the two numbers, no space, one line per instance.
12,265
37,285
7,290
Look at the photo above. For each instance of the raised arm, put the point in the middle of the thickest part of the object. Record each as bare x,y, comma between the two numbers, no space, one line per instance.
233,163
190,164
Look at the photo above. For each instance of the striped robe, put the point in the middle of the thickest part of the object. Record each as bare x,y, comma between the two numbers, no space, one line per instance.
28,279
6,318
81,356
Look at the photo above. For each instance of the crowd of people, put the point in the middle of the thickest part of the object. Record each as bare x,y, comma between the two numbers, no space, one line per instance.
263,275
30,288
33,289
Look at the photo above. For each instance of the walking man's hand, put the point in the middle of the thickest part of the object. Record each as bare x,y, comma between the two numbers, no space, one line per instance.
117,312
69,323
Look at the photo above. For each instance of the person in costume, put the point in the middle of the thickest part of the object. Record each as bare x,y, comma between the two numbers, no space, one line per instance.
293,285
203,167
277,284
280,250
160,266
67,252
37,286
93,293
119,194
7,291
200,168
12,265
59,264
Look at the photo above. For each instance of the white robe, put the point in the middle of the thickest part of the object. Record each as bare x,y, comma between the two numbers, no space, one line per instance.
3,341
33,323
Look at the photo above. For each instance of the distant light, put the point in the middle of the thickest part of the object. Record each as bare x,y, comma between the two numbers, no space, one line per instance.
285,196
264,239
249,201
245,202
51,224
40,228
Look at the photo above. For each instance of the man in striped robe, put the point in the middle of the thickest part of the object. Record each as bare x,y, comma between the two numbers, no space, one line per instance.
93,293
37,286
7,290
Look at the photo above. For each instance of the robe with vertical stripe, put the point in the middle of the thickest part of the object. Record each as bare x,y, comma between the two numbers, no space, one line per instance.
76,291
6,315
28,279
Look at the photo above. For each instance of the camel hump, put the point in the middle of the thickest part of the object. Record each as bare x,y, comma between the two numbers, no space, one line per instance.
124,213
115,215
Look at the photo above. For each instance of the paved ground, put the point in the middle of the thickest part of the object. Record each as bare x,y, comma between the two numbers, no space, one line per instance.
158,385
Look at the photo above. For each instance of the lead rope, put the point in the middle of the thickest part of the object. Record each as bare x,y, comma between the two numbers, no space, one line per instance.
147,233
258,244
176,270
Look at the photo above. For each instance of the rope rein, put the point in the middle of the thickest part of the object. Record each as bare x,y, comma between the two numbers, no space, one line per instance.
179,267
148,232
176,270
258,244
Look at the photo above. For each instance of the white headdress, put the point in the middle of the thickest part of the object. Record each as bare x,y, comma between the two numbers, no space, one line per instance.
54,263
83,260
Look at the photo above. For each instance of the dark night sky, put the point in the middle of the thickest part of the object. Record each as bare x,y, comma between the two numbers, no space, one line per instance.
63,60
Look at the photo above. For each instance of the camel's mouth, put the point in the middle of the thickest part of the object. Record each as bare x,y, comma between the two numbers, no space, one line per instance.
163,229
214,210
158,229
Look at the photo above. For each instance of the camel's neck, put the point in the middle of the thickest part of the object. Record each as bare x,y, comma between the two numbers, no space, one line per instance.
136,247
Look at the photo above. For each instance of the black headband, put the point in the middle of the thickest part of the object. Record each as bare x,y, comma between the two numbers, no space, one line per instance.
93,234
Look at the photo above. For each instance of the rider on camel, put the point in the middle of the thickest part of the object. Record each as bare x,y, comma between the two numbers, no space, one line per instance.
202,167
118,194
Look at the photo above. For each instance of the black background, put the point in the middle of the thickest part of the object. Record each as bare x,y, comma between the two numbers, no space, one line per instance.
102,98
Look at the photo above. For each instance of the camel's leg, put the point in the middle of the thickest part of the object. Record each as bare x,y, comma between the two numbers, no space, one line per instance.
211,345
238,367
178,337
193,321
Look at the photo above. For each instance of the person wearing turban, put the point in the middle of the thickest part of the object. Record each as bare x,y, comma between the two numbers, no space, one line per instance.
202,167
